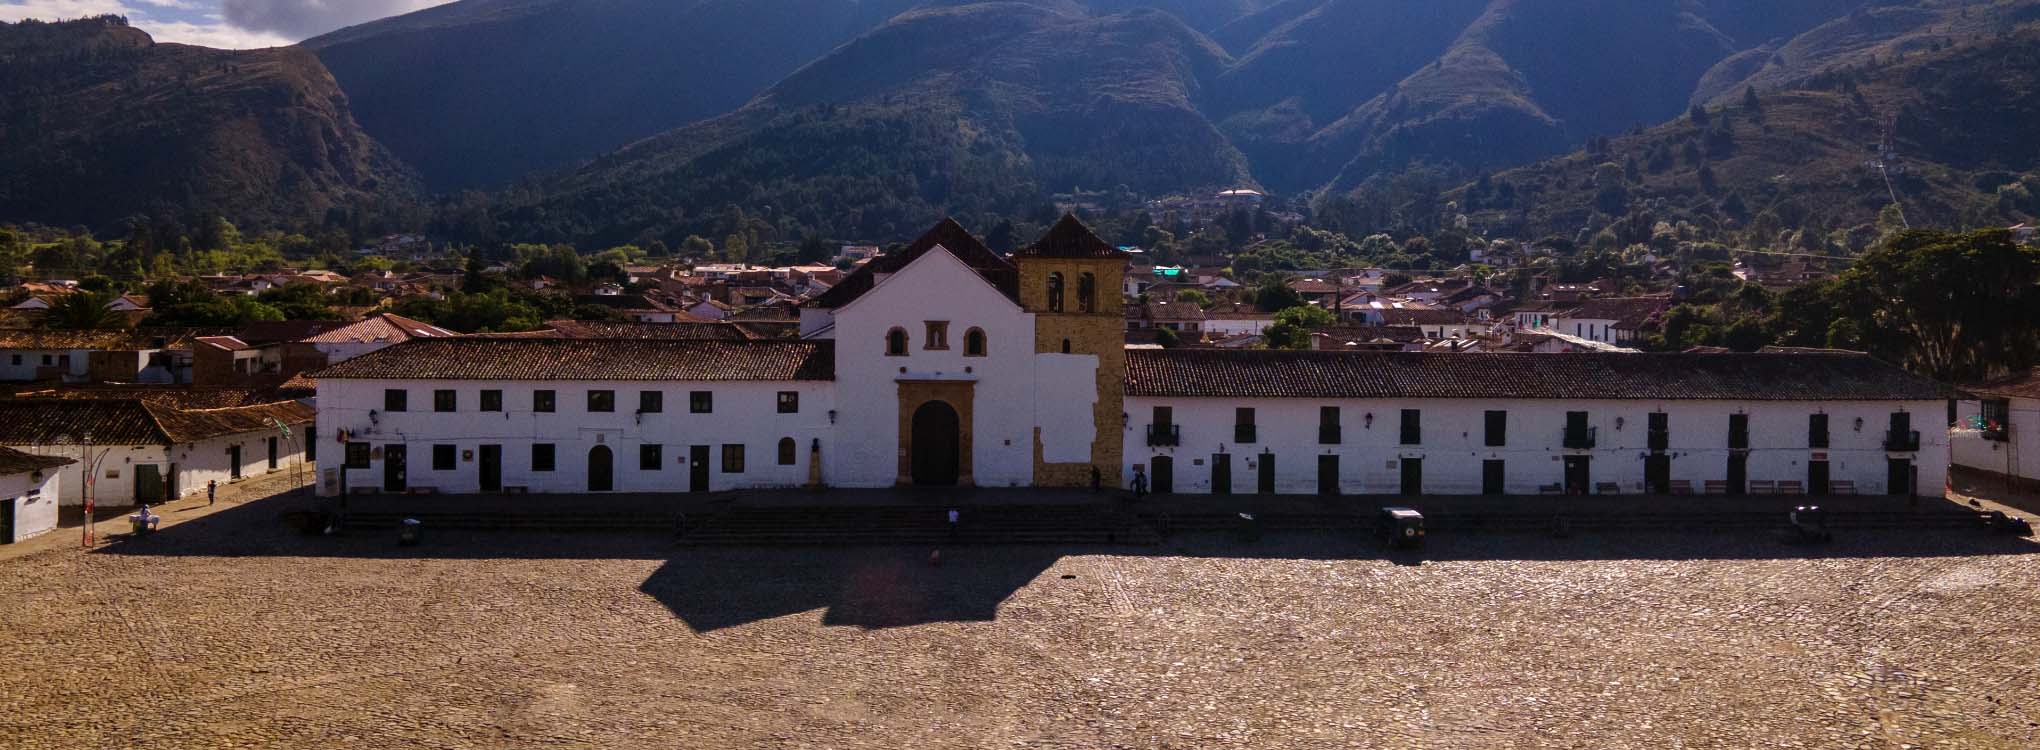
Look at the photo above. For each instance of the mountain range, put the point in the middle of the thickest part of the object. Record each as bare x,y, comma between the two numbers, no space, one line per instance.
613,120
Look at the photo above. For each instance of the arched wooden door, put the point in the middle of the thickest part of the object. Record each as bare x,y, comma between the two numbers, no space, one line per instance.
601,469
937,444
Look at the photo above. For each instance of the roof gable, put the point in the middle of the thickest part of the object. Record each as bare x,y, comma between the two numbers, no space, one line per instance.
1069,238
948,235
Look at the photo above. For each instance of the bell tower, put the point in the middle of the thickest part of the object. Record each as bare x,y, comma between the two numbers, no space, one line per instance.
1072,282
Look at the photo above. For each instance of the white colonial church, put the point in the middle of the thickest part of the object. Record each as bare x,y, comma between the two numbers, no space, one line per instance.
948,364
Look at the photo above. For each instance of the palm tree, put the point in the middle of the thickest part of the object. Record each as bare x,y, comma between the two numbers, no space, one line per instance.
83,311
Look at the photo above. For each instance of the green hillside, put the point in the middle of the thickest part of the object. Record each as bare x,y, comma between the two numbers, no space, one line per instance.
101,123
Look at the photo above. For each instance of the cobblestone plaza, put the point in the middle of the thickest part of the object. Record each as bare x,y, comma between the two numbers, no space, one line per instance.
225,631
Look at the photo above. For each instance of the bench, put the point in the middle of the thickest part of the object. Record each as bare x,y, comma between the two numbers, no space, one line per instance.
1607,488
422,491
1791,487
1717,486
1681,486
1763,487
1841,487
516,489
1550,489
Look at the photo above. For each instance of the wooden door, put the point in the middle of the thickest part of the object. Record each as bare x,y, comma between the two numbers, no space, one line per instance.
1817,477
1578,478
492,468
1412,476
697,468
1265,483
1492,477
1657,474
1738,473
1162,475
396,474
601,469
1221,474
1328,475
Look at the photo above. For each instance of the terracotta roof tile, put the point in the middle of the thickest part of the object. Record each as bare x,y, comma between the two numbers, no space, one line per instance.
133,421
485,358
16,462
1752,377
1069,238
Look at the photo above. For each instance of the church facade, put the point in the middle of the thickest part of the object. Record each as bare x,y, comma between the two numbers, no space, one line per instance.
947,364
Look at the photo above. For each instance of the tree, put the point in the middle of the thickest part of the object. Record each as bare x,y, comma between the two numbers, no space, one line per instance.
1951,306
1167,338
1274,294
696,247
82,311
1193,297
1752,103
1293,326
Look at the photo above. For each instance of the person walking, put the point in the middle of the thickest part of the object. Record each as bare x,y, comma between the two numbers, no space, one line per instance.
212,491
953,516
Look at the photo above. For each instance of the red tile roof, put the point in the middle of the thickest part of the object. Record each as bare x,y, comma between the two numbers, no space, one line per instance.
1069,238
486,358
1750,377
134,421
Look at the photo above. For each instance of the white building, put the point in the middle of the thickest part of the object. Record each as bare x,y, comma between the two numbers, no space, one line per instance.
946,364
1995,428
151,449
1522,424
28,494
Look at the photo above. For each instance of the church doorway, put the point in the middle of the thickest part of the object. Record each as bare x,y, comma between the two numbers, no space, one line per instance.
937,440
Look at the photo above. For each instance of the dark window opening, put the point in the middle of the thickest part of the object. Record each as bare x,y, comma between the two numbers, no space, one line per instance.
541,457
444,400
1412,427
600,401
787,451
733,459
650,457
544,402
651,402
701,402
492,400
396,399
1497,428
444,457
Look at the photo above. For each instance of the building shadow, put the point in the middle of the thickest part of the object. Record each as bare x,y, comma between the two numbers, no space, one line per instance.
874,587
862,587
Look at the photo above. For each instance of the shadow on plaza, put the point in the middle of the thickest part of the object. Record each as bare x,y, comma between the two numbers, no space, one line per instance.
711,588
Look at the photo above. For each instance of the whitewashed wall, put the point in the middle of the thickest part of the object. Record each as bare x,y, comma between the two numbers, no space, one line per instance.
744,414
2015,458
194,463
32,360
35,503
936,286
1454,434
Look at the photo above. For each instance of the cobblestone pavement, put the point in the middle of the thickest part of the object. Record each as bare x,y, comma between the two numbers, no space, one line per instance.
226,632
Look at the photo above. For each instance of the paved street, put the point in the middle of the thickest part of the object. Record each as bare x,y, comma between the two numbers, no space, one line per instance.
226,631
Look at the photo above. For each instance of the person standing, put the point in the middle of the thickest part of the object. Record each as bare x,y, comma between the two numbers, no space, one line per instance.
953,516
212,491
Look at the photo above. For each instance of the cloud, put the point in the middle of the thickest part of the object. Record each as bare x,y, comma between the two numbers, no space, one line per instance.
299,19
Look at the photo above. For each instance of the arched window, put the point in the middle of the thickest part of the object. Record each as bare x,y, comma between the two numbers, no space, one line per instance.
1066,346
974,342
787,449
896,342
1055,292
1087,292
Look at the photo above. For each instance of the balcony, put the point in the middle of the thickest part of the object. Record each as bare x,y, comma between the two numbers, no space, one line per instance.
1328,434
1164,435
1896,441
1581,438
1243,433
1997,434
1660,440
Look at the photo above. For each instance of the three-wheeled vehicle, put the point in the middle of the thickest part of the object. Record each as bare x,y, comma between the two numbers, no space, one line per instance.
1401,527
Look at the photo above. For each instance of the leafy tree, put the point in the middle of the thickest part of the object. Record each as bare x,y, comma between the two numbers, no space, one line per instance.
82,311
1293,326
697,247
1274,294
1193,297
299,300
1167,338
1952,306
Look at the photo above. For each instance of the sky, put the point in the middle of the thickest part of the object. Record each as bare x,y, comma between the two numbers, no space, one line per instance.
237,24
